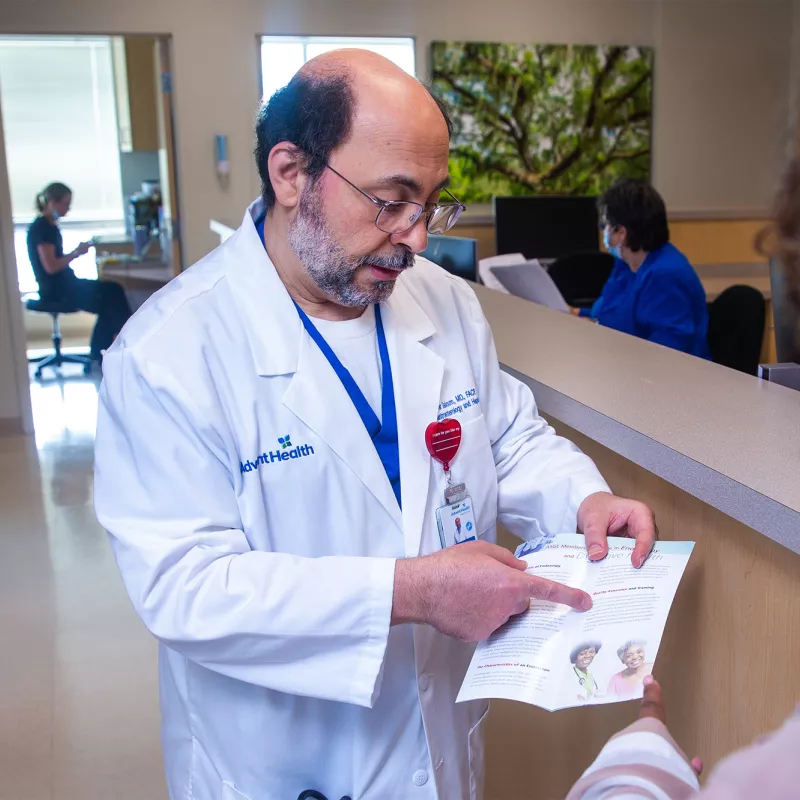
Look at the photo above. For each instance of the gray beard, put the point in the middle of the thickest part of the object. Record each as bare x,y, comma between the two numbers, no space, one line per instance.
326,263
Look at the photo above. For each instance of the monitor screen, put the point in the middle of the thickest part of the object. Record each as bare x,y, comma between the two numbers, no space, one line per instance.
546,227
457,255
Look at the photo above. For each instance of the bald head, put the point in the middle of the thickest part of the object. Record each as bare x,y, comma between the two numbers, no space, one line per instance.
343,97
383,93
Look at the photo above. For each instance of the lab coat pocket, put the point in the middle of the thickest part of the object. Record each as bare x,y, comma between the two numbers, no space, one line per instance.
474,465
475,749
230,792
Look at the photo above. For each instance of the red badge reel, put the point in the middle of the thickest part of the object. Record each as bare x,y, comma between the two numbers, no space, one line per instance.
443,438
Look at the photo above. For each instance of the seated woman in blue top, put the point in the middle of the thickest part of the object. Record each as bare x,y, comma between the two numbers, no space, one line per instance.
653,292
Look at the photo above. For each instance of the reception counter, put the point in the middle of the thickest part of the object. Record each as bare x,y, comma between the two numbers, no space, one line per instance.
716,454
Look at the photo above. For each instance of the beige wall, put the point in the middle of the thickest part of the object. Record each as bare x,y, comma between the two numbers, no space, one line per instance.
704,241
722,81
722,77
721,96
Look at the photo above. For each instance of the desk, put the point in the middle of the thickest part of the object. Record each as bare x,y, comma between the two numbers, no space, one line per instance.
719,277
155,274
139,279
716,454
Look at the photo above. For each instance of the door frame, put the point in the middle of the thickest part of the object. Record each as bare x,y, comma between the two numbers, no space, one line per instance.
8,261
9,293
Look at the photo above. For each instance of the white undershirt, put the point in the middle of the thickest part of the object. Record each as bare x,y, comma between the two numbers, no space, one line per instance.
355,343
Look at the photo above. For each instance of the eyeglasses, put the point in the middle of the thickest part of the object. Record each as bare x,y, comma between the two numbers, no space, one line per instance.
399,216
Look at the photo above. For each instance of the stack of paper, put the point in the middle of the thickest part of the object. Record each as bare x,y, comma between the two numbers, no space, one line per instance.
531,281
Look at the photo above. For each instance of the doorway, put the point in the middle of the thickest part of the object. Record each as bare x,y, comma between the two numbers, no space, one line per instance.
94,113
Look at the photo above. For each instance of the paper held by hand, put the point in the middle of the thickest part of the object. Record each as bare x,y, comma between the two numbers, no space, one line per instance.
554,657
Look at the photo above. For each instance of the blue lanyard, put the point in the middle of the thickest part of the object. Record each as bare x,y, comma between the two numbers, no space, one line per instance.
383,432
383,435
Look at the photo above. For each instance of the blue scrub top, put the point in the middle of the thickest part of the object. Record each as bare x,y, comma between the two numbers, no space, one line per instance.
663,302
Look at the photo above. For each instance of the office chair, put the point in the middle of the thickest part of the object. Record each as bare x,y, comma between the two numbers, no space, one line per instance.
55,308
736,322
580,277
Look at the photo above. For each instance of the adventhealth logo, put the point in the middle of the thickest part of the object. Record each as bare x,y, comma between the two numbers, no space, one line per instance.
286,453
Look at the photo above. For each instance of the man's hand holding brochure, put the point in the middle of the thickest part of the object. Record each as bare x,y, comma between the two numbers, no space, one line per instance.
554,657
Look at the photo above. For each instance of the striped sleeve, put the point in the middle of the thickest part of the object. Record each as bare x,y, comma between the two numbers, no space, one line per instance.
642,762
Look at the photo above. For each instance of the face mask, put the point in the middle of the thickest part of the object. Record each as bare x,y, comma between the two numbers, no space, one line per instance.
615,251
55,215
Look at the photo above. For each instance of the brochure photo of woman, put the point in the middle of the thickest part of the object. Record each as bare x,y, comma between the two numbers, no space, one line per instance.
581,657
629,682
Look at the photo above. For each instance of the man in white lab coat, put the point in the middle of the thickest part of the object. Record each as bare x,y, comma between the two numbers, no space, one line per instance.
262,468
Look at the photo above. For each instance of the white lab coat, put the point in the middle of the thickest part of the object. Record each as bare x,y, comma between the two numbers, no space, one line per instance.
266,572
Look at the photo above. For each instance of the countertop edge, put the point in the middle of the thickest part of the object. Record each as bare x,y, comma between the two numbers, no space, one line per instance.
761,513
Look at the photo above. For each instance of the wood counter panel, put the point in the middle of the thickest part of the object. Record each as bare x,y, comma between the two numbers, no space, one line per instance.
727,661
704,241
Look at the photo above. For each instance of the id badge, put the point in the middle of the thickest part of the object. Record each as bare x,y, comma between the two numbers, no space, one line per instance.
456,522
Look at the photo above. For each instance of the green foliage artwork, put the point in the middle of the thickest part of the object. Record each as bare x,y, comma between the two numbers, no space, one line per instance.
544,119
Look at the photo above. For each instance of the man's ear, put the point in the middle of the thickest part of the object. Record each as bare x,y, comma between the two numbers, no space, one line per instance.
285,164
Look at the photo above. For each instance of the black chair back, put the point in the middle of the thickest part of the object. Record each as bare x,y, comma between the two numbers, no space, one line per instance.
580,277
736,328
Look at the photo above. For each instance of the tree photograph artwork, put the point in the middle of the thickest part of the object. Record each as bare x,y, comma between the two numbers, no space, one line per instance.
544,119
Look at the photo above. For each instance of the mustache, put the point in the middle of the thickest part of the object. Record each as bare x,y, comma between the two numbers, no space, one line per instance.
402,259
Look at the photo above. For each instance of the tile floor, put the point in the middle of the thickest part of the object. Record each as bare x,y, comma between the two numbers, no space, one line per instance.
78,685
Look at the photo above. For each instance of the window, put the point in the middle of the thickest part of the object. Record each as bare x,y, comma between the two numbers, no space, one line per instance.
282,56
60,124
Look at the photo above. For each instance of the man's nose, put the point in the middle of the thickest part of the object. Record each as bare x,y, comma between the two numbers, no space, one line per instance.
416,237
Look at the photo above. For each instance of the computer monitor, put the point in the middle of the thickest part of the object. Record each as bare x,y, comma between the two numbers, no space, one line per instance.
786,316
546,227
455,254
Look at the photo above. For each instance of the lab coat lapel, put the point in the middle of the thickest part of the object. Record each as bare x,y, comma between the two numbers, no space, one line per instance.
281,346
417,373
318,398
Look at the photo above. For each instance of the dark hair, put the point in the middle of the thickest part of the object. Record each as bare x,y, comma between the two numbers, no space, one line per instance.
53,191
637,206
573,656
314,113
448,120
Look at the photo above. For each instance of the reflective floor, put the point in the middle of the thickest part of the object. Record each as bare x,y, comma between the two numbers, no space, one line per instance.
78,684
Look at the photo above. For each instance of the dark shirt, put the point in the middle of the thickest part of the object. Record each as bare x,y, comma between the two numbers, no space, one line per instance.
42,231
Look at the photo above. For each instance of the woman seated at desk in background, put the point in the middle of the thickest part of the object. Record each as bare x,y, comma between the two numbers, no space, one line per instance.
58,283
653,291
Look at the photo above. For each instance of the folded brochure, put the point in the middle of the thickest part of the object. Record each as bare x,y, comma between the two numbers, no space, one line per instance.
554,657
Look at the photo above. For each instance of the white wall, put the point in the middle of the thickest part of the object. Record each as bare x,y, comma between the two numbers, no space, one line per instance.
15,404
722,77
722,103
